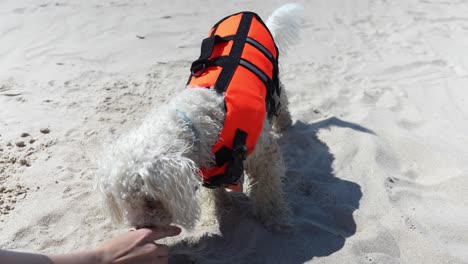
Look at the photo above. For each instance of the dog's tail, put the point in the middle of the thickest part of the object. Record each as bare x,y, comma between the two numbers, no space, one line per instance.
285,25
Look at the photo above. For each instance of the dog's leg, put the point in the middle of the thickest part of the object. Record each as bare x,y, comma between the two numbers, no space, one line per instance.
266,169
283,120
212,202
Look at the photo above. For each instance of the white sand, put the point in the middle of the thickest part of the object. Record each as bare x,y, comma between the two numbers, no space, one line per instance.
378,165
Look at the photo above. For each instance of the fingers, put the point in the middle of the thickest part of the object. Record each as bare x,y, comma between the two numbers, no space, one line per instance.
156,233
154,250
147,253
159,254
139,246
160,250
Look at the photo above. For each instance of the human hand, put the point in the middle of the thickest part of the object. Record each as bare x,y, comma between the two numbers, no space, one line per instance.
137,247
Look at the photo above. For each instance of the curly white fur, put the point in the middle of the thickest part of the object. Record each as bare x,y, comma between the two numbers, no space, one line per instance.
159,161
149,177
285,26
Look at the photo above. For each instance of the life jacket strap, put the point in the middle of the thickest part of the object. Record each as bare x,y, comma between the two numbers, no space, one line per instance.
235,168
204,61
236,52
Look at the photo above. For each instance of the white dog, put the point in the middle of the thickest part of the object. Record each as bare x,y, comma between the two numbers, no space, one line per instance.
151,176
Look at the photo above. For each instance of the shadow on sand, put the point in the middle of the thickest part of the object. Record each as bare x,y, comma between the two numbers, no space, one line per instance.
322,210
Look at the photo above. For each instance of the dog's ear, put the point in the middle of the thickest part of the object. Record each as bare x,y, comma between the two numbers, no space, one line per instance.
109,201
172,179
113,208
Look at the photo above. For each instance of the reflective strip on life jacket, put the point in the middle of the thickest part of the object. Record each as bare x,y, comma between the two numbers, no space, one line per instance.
239,59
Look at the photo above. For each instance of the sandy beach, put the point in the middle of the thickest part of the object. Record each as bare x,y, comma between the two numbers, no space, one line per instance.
377,157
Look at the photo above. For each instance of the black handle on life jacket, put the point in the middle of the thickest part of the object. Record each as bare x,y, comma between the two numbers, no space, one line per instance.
198,67
204,61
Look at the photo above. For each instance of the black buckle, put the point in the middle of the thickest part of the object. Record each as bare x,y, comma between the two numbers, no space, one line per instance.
196,69
210,184
199,66
235,168
240,152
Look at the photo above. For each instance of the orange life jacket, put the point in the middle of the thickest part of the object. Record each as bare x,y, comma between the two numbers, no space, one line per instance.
240,59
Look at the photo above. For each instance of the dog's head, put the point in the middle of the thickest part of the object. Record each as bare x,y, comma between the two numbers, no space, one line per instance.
149,176
153,193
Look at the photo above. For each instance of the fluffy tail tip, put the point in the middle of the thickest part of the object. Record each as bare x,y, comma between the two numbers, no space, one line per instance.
285,25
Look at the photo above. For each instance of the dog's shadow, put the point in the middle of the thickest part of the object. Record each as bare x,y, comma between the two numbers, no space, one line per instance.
322,210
